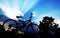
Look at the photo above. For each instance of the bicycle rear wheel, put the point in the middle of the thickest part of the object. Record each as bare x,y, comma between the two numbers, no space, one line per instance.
9,23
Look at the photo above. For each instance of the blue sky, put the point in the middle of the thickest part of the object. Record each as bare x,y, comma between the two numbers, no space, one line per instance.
39,8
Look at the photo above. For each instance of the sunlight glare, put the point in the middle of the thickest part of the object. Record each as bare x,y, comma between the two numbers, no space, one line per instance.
11,12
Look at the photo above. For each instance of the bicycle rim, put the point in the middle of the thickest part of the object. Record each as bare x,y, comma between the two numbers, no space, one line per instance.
8,23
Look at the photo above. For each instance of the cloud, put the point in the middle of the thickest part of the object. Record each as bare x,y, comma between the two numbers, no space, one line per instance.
58,22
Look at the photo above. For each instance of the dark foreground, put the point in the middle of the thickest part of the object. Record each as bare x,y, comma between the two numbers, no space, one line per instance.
12,34
9,34
47,29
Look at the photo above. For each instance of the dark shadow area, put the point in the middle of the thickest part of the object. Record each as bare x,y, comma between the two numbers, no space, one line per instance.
47,29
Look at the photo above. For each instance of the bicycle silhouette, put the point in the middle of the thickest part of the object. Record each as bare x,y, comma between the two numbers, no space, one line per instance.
21,23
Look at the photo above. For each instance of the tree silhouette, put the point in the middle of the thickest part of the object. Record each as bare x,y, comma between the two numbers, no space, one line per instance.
46,26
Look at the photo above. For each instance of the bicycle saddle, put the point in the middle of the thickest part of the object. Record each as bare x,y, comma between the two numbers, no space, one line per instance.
18,16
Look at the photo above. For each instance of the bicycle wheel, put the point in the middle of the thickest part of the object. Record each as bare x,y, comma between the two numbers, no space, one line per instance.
33,27
9,22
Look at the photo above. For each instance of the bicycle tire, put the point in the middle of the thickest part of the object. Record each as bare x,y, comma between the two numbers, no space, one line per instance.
10,22
31,27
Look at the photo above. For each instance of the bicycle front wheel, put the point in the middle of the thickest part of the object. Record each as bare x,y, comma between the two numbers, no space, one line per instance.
32,27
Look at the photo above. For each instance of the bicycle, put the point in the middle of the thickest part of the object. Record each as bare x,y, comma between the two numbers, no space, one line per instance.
21,24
